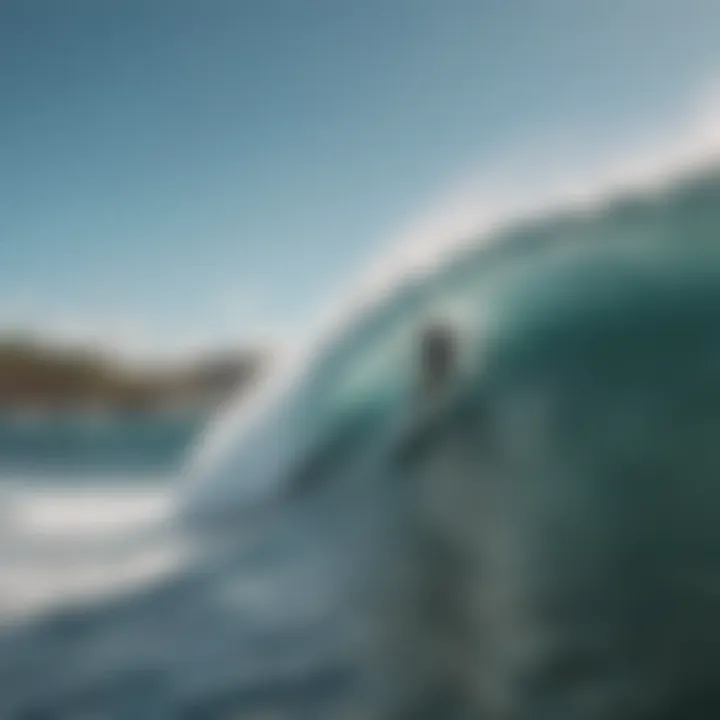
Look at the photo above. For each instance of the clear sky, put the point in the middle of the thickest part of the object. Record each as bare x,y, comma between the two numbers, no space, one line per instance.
187,170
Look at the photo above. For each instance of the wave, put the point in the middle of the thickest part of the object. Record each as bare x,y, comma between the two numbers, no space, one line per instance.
677,209
289,598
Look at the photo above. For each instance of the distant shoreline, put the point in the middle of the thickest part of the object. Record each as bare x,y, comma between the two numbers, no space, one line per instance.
39,380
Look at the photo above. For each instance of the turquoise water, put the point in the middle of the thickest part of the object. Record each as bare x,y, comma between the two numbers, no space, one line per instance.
88,444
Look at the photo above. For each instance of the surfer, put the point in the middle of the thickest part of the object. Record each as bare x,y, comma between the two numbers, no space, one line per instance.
436,367
438,354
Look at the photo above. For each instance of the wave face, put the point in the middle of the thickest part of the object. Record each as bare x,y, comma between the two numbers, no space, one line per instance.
549,549
374,345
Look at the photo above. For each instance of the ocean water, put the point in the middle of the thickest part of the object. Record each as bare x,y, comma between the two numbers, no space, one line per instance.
302,602
107,608
78,443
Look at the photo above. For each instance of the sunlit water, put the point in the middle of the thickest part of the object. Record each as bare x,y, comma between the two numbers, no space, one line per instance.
62,543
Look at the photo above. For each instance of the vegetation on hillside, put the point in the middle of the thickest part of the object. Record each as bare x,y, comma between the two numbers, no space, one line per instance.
40,374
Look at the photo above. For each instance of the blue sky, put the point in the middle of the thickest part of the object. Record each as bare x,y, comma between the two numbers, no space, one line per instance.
189,170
